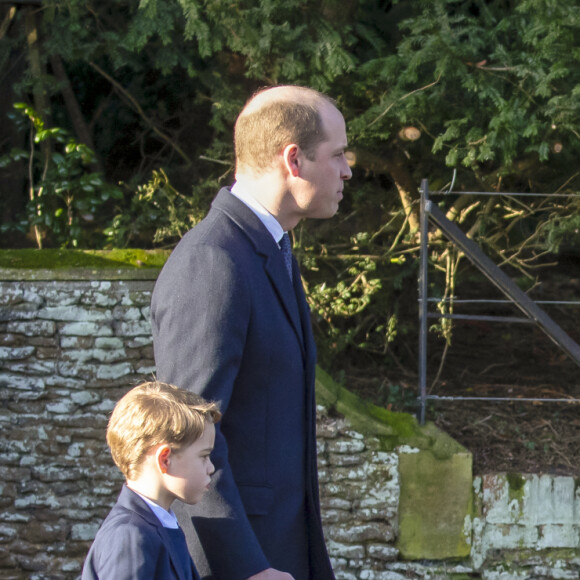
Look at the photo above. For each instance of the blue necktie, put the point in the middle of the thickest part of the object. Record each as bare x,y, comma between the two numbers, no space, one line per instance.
286,248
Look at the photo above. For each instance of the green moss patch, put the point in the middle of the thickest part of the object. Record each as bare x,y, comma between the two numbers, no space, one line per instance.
435,503
392,429
53,264
59,259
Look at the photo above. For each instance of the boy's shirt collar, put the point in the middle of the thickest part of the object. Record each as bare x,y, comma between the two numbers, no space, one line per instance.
167,519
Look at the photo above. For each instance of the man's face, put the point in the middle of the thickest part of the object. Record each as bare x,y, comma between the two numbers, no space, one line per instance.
322,179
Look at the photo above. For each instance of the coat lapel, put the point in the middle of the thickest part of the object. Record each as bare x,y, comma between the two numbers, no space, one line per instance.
265,245
176,561
131,501
278,275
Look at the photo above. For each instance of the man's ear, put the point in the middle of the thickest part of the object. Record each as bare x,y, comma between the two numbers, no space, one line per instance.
162,457
291,156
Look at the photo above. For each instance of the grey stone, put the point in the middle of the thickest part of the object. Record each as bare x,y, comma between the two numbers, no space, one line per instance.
33,328
17,353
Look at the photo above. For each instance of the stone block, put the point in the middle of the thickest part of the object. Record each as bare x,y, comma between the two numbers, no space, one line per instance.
102,299
435,498
558,536
76,370
348,551
376,531
344,460
16,353
140,341
114,371
18,474
44,533
342,575
84,531
87,329
33,328
76,342
346,446
63,407
84,398
335,503
7,533
331,516
146,371
382,575
34,386
382,552
11,339
38,367
133,328
327,429
109,343
529,500
49,352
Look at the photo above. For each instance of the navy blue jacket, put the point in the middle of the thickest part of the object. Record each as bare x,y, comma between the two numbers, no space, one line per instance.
131,544
228,324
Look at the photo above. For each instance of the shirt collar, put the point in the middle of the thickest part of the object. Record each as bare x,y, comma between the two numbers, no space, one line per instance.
269,221
167,518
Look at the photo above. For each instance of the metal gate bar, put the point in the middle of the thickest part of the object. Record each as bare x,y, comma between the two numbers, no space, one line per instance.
516,296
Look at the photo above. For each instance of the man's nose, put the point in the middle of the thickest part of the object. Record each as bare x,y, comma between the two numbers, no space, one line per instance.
346,171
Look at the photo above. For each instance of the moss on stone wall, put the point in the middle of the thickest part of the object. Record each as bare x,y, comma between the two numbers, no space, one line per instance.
58,259
392,429
53,264
516,487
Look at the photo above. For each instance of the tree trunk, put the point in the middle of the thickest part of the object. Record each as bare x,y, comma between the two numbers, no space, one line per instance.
79,124
393,163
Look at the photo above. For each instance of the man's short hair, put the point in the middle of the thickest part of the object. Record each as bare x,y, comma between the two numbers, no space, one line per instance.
153,413
262,132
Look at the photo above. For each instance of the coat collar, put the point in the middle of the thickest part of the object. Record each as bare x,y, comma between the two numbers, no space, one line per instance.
264,245
131,501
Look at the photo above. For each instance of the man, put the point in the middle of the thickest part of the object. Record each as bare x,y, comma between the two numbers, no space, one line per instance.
228,315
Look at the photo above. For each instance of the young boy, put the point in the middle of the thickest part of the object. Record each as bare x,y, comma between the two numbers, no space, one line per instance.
160,438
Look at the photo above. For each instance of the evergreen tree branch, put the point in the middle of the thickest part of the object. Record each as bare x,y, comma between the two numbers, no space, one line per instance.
135,104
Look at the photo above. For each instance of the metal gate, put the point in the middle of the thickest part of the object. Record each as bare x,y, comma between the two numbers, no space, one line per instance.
534,314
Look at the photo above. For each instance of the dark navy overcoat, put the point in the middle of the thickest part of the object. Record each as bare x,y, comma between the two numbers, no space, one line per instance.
131,544
229,324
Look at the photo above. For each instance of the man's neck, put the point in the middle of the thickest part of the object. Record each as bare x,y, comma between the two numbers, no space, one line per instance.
266,189
269,221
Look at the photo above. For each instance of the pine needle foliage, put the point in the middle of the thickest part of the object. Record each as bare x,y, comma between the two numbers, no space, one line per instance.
490,87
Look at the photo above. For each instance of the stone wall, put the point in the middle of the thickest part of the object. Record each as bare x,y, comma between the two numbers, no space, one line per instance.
68,352
70,348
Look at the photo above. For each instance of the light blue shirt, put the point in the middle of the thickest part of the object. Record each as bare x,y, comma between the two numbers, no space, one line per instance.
167,518
271,223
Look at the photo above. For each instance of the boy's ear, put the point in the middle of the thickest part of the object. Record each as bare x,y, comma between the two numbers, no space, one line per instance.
162,456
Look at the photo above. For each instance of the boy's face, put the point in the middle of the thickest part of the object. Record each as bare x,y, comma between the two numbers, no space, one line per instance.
191,468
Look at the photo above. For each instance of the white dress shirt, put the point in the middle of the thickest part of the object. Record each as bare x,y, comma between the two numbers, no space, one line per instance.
271,223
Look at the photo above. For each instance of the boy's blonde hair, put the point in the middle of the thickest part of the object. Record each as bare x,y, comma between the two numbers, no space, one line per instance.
153,413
